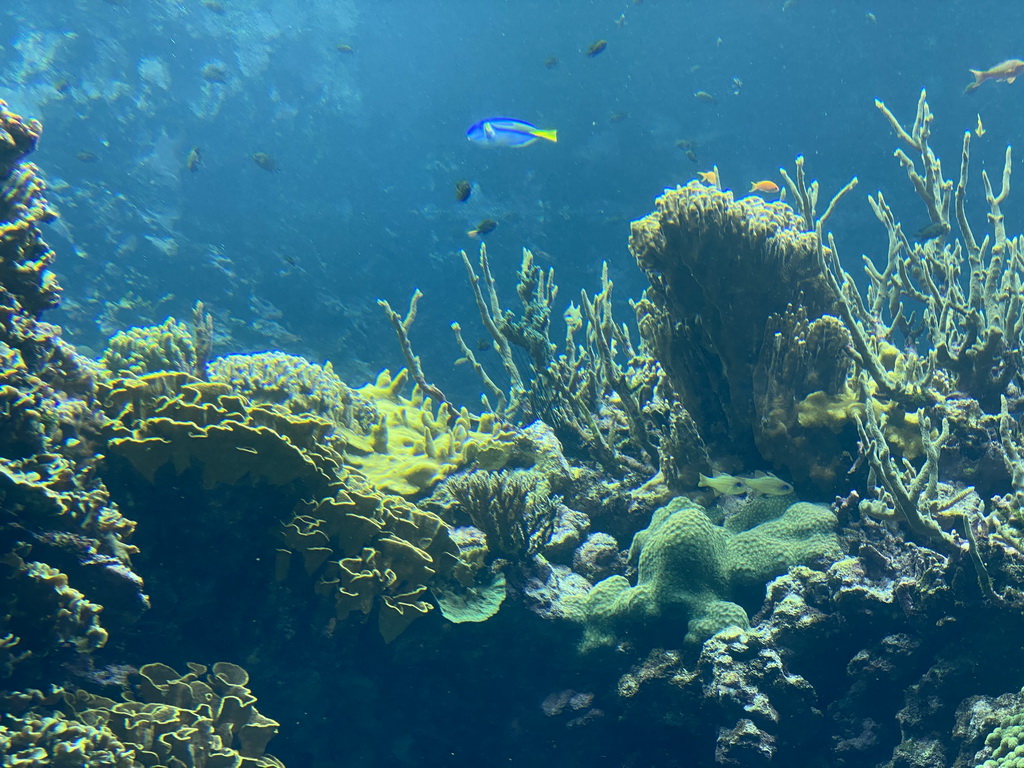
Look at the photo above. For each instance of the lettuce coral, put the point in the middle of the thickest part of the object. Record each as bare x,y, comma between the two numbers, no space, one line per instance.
205,717
412,446
64,547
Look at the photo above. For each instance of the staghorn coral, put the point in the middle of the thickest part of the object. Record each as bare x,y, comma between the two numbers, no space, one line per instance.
971,333
599,396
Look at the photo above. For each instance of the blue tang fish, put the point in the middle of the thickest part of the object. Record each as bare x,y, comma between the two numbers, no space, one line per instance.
506,132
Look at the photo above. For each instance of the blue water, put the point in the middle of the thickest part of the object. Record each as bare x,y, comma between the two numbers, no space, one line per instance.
370,143
368,146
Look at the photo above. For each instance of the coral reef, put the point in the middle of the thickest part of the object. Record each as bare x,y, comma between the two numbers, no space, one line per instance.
689,570
65,554
141,351
514,509
200,718
390,553
29,286
412,446
720,269
295,383
173,422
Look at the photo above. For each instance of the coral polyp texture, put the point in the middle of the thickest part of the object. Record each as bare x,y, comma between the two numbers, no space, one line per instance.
413,444
690,570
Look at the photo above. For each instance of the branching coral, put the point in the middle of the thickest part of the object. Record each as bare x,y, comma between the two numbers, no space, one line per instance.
973,337
594,394
513,509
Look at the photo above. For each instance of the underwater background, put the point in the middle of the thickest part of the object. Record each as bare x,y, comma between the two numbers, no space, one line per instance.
756,506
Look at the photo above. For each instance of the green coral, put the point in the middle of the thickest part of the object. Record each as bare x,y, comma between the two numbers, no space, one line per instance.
1007,744
694,571
403,445
471,604
414,445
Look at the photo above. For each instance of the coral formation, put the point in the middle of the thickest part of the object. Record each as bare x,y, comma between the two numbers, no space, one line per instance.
29,286
201,718
64,547
140,351
412,446
295,383
690,570
390,551
514,509
171,420
719,270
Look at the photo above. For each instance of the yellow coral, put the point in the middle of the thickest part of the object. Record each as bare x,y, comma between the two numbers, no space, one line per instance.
413,445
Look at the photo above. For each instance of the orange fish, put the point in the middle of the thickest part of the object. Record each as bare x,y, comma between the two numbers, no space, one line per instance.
708,177
1007,72
767,186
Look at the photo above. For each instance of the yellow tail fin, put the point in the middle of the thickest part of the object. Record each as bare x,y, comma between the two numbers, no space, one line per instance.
550,134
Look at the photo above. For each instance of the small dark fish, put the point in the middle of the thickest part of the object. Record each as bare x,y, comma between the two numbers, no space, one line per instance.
463,189
691,156
932,231
484,227
595,48
551,62
62,85
214,5
344,48
685,144
704,97
617,117
194,159
214,73
265,161
87,157
484,345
